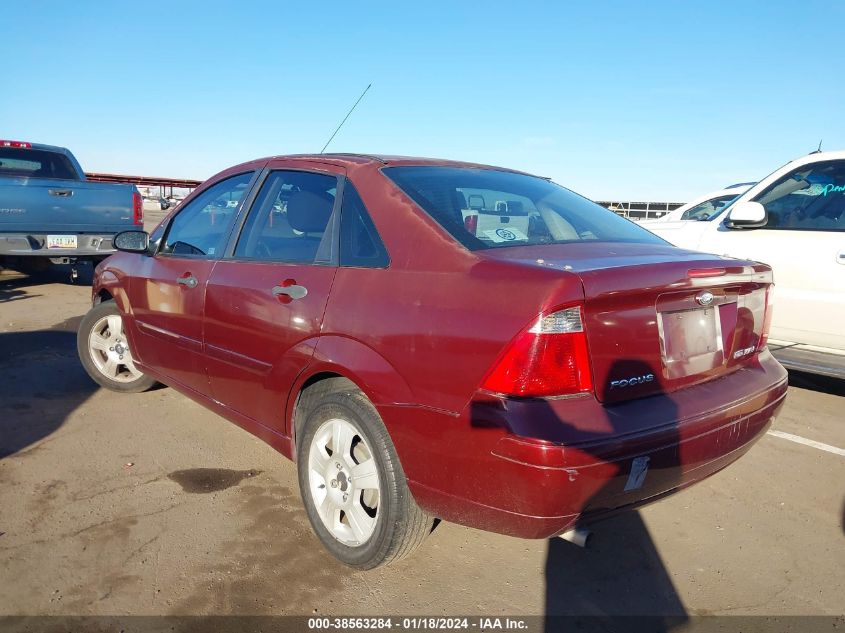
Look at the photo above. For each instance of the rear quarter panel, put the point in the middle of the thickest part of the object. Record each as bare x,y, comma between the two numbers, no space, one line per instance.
438,315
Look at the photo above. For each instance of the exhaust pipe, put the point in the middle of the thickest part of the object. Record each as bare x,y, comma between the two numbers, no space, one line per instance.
577,535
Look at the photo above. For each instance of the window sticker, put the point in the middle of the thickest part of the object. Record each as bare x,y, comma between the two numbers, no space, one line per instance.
505,235
816,189
831,188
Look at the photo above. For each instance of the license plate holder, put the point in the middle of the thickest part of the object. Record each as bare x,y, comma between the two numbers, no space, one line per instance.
61,241
690,341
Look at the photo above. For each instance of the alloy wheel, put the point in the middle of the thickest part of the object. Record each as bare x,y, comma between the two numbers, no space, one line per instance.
109,350
344,482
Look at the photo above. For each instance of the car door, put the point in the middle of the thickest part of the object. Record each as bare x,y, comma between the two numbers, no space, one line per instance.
265,300
804,242
167,293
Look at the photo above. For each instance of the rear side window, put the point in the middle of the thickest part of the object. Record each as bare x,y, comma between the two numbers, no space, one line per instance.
811,198
290,220
488,208
201,228
360,243
35,163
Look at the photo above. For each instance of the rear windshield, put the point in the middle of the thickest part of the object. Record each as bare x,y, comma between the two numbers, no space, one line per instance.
35,163
487,208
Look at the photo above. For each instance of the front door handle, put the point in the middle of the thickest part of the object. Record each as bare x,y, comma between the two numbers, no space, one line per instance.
61,193
190,281
293,291
840,257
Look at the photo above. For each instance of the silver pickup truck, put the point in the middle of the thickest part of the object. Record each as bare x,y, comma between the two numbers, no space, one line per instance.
49,212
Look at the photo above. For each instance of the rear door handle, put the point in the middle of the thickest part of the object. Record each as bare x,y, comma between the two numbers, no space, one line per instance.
190,281
61,193
840,257
293,291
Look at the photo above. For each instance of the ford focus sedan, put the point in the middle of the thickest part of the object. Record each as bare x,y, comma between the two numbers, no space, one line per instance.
433,340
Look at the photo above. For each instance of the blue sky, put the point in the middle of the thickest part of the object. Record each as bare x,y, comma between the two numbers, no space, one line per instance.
616,100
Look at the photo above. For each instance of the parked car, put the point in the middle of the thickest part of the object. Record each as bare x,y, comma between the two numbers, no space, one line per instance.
703,208
438,339
794,220
49,212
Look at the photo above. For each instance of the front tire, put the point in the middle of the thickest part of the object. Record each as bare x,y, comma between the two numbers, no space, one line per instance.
105,352
352,484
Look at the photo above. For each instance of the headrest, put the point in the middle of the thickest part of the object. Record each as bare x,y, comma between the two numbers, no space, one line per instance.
309,212
476,202
459,200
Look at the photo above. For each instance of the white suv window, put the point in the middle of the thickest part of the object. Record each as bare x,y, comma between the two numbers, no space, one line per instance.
709,208
811,198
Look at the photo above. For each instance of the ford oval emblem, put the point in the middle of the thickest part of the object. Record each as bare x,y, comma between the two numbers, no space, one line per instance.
705,298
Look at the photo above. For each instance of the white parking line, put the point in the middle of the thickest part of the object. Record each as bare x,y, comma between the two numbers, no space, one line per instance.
803,440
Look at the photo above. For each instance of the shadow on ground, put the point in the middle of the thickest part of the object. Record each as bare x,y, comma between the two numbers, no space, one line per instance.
14,283
43,382
13,286
603,472
619,575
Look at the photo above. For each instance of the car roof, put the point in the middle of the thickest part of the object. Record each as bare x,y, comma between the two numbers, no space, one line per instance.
353,160
808,159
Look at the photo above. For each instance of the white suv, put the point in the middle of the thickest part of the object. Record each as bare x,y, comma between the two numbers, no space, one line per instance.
793,220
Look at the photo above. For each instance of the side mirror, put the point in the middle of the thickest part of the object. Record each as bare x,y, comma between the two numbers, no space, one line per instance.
132,242
746,215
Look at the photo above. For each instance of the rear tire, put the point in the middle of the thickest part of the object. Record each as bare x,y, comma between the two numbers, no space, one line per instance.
352,484
104,351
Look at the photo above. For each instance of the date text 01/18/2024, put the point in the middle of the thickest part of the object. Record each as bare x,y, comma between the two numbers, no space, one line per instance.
417,623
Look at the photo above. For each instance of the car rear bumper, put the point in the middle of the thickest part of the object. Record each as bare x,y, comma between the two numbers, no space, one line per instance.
535,468
28,245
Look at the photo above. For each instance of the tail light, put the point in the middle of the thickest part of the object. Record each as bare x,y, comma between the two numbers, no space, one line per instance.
767,318
547,359
471,223
137,208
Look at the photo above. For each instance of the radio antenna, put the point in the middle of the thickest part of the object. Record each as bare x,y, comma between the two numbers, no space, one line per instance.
344,118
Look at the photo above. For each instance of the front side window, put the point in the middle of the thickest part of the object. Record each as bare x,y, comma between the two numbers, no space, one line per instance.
290,219
708,209
811,198
202,227
488,208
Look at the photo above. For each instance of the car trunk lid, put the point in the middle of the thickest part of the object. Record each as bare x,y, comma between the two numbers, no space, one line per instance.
657,318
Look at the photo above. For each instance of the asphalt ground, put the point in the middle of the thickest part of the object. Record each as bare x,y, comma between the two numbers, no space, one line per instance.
149,504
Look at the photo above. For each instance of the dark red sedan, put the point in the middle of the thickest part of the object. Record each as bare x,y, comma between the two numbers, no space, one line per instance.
431,339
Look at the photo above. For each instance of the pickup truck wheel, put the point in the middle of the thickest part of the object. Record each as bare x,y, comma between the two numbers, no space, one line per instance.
353,486
105,353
